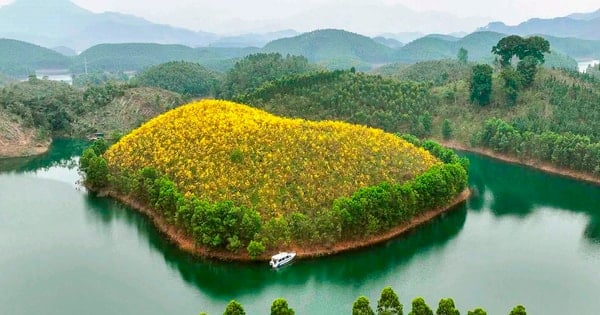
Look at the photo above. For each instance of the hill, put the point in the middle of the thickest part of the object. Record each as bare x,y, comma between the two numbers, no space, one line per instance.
19,59
137,56
333,48
53,23
18,139
478,44
578,26
233,176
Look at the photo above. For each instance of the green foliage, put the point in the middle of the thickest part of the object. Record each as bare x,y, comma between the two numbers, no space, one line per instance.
182,77
566,150
512,84
481,84
439,72
463,55
341,95
234,308
101,95
388,303
361,306
527,68
96,170
419,307
446,307
98,78
446,129
518,310
254,70
255,249
99,146
280,307
477,311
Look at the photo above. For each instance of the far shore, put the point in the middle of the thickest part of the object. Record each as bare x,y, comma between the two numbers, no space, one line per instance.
542,166
26,149
187,244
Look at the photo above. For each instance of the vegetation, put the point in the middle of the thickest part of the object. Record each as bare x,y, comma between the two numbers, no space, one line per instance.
361,306
481,84
235,177
335,49
186,78
255,70
439,72
20,59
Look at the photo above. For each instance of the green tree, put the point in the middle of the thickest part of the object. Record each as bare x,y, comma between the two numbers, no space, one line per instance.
255,249
234,308
477,311
512,83
518,310
536,47
446,129
463,55
447,307
361,306
527,69
508,47
280,307
187,78
389,303
481,84
419,307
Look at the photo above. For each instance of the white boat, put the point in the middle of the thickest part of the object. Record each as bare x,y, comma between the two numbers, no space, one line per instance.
281,259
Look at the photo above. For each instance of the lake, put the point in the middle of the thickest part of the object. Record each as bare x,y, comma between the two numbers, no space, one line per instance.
583,65
524,237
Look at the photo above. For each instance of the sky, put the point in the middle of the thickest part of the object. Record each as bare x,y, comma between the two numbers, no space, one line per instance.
239,15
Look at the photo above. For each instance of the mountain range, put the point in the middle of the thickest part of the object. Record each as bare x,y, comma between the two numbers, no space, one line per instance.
578,25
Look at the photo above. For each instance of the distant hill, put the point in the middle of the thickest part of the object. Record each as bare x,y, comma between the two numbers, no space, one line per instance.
390,42
333,48
252,39
585,16
580,25
63,50
137,56
19,59
53,23
479,45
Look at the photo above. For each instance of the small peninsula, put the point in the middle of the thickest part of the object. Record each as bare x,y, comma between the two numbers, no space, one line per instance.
229,181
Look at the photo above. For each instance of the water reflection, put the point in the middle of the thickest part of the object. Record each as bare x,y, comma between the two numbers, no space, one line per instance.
61,153
518,190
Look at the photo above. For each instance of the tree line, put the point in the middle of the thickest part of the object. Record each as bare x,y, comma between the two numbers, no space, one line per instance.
388,304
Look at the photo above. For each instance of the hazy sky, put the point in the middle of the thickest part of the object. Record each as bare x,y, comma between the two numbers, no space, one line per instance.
232,15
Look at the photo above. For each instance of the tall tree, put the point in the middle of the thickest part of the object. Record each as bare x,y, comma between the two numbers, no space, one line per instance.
419,307
280,307
361,306
234,308
463,55
508,47
389,303
481,84
446,307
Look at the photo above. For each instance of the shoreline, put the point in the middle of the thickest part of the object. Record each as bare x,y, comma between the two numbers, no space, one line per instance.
15,151
185,243
538,165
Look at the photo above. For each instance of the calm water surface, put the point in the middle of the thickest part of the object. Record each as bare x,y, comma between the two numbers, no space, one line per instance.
525,237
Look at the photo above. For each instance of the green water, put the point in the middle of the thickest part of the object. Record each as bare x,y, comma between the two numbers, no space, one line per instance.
525,237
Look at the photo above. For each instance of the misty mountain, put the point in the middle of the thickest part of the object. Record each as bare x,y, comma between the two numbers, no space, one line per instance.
390,42
585,16
252,39
53,23
375,17
583,26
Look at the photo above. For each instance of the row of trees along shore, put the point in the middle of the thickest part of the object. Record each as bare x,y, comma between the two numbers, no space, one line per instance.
226,226
388,304
575,147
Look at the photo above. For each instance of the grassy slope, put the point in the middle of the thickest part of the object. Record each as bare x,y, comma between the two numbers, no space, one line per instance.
225,151
18,140
127,112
